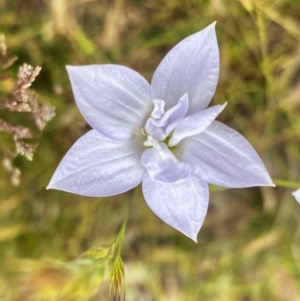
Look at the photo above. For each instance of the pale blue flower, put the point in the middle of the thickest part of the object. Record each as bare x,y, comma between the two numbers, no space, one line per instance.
162,135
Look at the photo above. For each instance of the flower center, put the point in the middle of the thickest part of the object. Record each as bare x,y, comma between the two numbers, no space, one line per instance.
165,130
159,160
161,123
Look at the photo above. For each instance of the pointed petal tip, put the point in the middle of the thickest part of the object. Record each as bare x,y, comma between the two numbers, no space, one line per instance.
50,186
195,239
270,183
188,234
167,202
223,106
296,195
71,68
212,25
267,180
192,236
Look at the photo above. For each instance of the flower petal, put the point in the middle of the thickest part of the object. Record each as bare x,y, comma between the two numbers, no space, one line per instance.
195,123
222,156
161,128
182,205
163,166
296,194
159,108
192,67
114,100
98,166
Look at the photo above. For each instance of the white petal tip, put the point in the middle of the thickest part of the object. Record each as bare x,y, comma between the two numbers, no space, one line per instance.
296,195
71,68
270,183
50,186
194,239
265,181
191,236
223,106
213,24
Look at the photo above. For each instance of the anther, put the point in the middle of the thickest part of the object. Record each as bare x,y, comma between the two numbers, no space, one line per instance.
144,132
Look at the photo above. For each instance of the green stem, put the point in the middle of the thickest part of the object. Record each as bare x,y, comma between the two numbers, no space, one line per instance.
286,184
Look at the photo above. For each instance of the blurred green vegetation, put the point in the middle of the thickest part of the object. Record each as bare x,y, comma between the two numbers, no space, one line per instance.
249,245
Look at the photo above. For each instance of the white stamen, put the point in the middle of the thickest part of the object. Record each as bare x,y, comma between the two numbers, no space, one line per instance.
152,142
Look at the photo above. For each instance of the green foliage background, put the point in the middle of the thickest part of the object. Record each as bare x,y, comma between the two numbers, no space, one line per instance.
248,247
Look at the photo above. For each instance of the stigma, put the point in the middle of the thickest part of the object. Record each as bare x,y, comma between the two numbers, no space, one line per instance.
152,142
